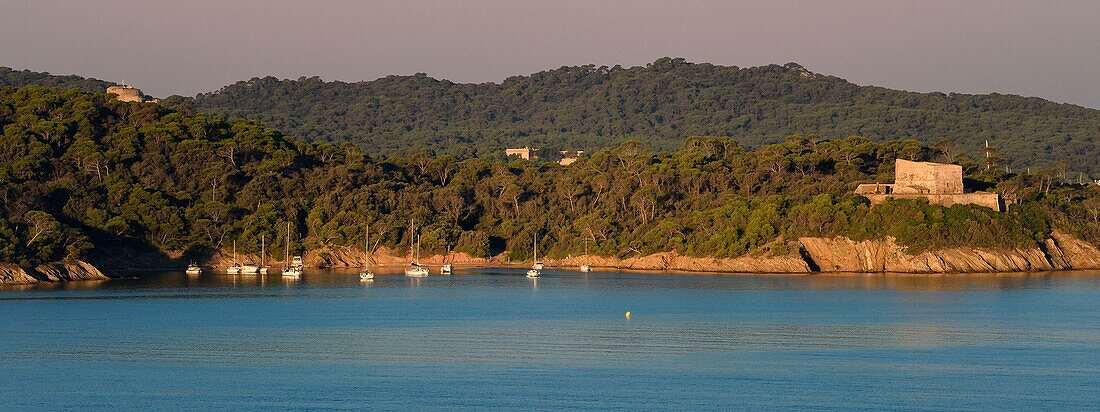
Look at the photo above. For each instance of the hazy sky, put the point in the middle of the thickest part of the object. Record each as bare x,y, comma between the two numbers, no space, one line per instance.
1049,49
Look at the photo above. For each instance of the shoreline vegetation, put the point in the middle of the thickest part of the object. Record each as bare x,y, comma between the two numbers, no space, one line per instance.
90,182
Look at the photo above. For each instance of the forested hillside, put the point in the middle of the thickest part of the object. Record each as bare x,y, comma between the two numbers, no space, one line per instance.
19,78
661,104
84,175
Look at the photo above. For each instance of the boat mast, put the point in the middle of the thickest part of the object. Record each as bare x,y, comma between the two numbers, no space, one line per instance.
412,257
286,263
366,252
263,249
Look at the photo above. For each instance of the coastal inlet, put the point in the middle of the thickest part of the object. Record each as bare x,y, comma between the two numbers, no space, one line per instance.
494,339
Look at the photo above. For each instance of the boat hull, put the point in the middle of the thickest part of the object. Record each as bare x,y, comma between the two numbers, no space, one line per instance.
416,273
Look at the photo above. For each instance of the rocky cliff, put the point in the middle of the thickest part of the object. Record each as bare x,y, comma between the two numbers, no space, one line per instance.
791,263
1061,252
54,272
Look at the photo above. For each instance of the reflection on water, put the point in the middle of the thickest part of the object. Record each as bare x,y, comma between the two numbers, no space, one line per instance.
872,281
493,339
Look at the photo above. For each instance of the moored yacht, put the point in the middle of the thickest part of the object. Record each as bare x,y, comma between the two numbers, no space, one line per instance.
585,267
235,268
366,274
263,256
415,269
293,268
446,269
193,269
536,269
249,268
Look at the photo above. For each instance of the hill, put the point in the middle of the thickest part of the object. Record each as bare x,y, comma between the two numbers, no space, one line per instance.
87,177
661,104
19,78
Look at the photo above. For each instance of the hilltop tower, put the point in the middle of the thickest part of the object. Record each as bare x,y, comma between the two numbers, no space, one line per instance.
127,93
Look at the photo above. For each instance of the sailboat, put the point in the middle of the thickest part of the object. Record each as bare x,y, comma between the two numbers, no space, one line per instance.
415,269
585,268
537,267
366,275
538,263
235,268
292,269
250,267
263,255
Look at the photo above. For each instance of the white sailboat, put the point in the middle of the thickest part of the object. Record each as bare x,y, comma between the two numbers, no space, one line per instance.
250,267
263,256
293,269
415,269
585,268
538,263
536,269
235,268
366,275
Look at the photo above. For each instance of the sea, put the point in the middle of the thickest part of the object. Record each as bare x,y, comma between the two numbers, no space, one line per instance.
491,339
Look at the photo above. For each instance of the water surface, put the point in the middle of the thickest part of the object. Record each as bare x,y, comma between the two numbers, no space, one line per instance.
492,339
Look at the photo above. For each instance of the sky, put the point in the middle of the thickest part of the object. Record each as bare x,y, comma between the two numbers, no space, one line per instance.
1049,49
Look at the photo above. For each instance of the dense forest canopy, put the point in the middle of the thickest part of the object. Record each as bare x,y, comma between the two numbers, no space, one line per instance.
660,104
19,78
84,175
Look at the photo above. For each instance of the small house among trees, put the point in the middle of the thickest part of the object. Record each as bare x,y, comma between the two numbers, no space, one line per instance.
525,153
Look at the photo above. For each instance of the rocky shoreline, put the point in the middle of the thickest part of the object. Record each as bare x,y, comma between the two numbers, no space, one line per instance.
1061,251
808,255
49,273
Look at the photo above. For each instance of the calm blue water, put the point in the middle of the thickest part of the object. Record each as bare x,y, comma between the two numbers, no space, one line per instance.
491,339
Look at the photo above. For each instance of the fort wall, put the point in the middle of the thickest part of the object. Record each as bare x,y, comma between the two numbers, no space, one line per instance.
986,199
940,184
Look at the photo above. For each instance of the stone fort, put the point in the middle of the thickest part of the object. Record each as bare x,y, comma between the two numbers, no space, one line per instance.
940,184
127,93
